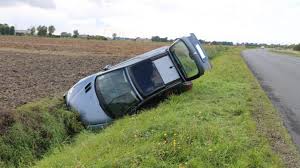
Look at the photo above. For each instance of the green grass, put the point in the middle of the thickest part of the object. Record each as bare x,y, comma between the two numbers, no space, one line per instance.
37,128
213,125
286,51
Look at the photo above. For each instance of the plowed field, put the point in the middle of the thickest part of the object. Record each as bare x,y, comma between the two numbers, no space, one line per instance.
33,68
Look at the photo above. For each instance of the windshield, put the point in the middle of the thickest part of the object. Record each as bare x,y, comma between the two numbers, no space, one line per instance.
183,56
116,92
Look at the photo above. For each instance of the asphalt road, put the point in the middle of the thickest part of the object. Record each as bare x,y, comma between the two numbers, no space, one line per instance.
279,76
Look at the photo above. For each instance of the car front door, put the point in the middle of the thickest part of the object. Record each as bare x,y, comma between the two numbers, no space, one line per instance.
190,57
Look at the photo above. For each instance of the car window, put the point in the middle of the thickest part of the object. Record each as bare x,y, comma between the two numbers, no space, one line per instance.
116,92
146,77
182,53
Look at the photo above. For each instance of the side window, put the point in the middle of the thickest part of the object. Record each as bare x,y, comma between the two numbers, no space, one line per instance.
182,54
147,77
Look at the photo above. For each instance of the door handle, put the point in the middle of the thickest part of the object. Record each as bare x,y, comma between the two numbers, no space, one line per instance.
171,67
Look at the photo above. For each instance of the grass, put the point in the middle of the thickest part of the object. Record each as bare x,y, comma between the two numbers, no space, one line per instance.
34,129
286,51
219,123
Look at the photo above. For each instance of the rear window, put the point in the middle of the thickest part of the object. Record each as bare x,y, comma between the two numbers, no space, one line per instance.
146,77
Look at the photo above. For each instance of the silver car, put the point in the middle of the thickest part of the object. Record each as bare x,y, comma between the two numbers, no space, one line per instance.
122,89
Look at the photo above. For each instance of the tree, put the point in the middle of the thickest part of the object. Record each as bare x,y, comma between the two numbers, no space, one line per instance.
297,47
42,30
51,30
12,30
97,37
65,34
5,29
1,29
164,39
114,36
158,39
75,33
32,30
155,38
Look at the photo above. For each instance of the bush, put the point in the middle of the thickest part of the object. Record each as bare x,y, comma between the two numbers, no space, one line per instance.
6,120
213,51
34,129
297,47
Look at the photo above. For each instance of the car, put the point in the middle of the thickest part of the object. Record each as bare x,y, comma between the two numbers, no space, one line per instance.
124,88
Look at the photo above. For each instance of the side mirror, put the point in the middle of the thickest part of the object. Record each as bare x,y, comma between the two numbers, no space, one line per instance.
107,67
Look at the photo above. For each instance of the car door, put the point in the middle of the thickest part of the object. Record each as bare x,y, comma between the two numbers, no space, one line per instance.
190,58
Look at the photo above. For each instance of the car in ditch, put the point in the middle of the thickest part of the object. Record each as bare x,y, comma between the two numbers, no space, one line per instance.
124,88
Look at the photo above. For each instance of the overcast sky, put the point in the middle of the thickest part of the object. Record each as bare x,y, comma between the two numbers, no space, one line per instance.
263,21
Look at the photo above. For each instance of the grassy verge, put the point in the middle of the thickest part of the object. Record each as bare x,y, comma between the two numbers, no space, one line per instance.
214,125
288,52
33,129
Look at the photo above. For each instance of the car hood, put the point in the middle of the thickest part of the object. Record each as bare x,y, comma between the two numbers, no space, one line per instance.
83,99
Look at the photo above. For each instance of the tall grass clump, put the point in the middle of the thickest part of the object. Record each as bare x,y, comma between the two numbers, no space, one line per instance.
214,50
33,129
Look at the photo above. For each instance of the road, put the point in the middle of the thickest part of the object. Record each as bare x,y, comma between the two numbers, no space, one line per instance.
279,76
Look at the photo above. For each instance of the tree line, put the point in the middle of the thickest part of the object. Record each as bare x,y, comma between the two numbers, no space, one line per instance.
160,39
42,30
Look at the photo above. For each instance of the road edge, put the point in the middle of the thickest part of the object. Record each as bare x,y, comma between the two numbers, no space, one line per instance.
268,118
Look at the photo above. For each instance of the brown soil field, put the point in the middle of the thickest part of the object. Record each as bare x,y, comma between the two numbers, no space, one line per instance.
33,67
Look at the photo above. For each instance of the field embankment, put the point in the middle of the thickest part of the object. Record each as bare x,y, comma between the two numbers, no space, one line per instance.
33,129
286,52
220,123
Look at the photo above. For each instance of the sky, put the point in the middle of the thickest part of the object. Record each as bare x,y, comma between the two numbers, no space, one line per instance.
259,21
